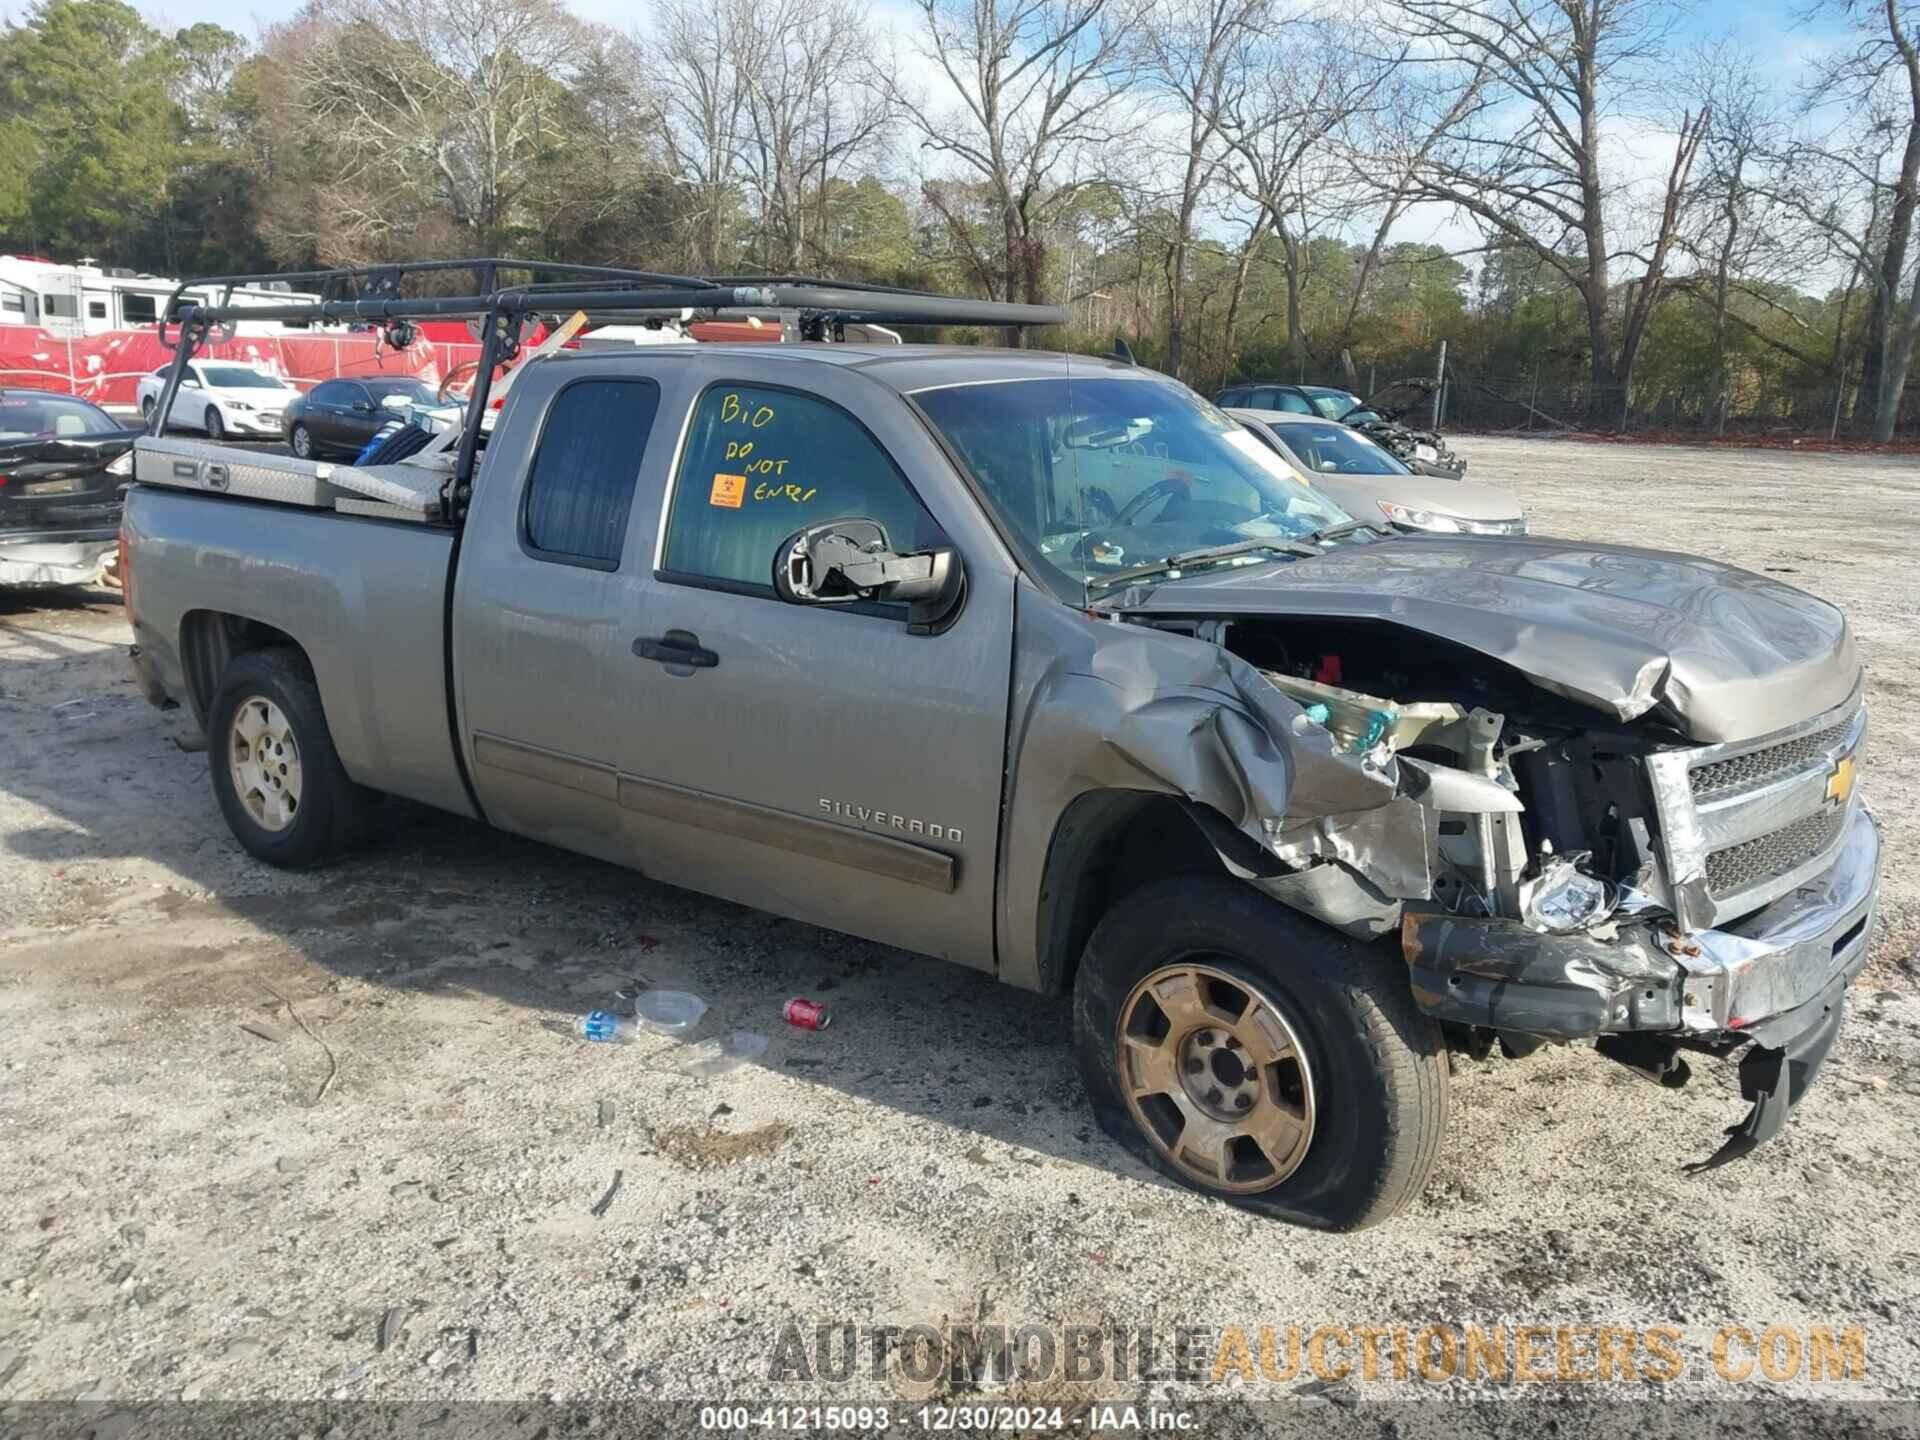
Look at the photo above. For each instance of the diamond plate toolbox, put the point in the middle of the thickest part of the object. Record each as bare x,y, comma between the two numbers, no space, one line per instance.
201,465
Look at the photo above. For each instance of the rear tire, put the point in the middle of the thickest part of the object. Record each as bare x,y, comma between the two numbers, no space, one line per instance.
216,427
146,409
1351,1077
279,781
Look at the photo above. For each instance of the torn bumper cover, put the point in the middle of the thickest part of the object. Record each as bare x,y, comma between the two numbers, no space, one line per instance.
1776,980
46,563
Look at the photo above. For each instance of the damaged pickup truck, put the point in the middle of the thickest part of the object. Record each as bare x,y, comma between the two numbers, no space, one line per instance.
1044,666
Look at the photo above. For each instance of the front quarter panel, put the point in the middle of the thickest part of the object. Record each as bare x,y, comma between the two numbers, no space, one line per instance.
1099,706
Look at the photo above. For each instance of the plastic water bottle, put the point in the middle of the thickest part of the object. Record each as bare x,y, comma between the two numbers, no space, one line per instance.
603,1027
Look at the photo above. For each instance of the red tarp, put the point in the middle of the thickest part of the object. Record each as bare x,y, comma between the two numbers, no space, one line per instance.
106,369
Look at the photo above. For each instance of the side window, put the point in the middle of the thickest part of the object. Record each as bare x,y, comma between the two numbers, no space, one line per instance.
1229,398
1293,403
138,309
353,396
762,463
327,392
96,309
580,484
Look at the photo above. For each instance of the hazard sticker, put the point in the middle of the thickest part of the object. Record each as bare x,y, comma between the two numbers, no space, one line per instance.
728,490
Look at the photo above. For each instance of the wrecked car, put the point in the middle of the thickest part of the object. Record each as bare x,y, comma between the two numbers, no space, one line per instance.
63,462
1381,417
1046,667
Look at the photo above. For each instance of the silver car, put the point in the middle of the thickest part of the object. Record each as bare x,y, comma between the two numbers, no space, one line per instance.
1370,484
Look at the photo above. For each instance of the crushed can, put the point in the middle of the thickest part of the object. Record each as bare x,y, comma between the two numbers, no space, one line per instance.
806,1014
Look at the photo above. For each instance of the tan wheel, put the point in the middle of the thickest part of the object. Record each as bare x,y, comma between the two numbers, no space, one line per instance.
1216,1078
264,762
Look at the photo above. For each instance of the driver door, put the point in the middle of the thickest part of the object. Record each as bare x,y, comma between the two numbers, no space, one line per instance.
823,762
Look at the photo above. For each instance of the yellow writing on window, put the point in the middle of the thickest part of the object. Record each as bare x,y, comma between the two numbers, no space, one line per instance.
795,493
734,412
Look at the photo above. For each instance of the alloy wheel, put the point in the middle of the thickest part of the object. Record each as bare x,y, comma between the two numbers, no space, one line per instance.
1215,1076
265,763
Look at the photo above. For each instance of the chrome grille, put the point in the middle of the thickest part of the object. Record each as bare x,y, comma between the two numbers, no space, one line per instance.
1757,767
1754,862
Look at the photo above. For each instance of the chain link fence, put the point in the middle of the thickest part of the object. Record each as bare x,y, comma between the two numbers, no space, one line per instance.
1829,410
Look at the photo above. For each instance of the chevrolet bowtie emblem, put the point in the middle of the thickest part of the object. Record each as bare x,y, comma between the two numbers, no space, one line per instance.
1840,782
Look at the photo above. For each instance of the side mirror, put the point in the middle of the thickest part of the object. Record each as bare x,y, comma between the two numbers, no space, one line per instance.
847,560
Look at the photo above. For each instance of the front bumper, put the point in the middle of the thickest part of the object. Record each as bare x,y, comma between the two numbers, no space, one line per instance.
1775,982
253,423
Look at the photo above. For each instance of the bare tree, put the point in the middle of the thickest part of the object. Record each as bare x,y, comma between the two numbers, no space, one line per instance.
1837,178
1393,140
700,48
1526,158
417,105
1039,82
1311,78
810,117
1199,53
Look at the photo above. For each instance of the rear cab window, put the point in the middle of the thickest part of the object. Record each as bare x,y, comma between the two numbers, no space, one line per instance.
581,479
762,463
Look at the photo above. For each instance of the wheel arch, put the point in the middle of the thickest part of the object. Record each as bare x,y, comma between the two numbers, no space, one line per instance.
1109,843
209,639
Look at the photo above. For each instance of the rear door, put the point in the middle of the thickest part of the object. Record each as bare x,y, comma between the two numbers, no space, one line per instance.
652,696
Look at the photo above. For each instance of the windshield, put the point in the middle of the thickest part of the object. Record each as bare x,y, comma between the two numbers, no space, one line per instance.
1335,450
417,391
1102,475
238,377
30,416
1333,403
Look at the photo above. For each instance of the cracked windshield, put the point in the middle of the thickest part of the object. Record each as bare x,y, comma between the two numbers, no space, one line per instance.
1103,475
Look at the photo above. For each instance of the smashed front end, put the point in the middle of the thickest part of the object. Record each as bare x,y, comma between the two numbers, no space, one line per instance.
1556,874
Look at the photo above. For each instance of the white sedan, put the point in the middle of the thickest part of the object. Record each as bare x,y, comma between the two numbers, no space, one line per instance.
1369,483
221,397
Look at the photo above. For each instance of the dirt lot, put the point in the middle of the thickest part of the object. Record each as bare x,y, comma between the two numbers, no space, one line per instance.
196,1208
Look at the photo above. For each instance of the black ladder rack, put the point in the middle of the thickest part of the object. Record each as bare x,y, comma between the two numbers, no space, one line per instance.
378,293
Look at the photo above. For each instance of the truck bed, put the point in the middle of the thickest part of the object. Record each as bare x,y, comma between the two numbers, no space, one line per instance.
409,491
367,602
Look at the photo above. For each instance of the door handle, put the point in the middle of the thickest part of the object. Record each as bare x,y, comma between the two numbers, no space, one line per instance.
676,647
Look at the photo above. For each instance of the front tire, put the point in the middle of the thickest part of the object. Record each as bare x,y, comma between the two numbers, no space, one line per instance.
1252,1054
216,427
279,781
301,442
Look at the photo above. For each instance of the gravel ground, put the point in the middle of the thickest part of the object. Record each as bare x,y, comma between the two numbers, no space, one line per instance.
329,1134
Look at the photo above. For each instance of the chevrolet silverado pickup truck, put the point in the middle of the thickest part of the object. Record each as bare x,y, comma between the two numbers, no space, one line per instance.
1042,665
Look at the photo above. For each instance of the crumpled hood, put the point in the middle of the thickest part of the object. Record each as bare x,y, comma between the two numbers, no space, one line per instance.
1729,654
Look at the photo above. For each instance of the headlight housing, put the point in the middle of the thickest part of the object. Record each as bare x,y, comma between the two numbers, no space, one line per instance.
238,405
1410,519
1419,519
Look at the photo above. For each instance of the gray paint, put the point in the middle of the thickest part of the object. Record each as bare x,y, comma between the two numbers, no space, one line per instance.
808,703
792,775
364,599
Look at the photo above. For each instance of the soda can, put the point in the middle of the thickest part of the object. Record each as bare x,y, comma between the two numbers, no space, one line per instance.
806,1014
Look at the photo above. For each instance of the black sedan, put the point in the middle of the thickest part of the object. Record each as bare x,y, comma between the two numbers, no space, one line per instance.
63,463
337,418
